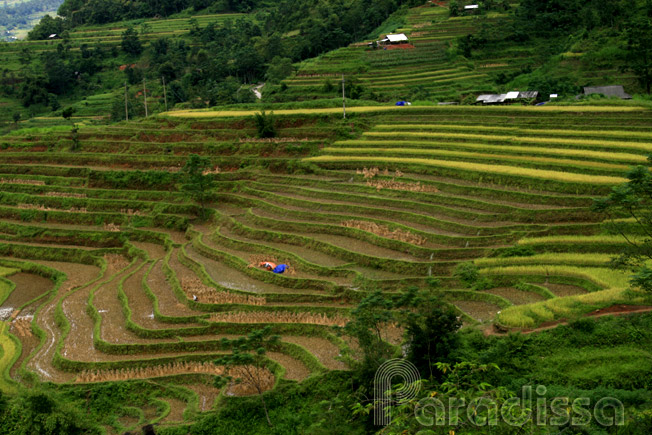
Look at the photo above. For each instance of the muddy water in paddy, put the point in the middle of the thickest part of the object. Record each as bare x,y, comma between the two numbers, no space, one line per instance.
28,286
41,363
142,308
78,344
516,296
153,250
234,279
310,255
113,327
168,304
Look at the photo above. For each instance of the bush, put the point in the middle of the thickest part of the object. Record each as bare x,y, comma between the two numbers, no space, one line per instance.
470,276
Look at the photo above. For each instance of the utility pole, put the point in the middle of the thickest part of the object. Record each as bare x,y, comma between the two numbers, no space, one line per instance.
165,95
126,108
343,100
145,95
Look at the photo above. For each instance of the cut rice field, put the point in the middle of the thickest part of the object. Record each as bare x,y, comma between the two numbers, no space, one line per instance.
119,279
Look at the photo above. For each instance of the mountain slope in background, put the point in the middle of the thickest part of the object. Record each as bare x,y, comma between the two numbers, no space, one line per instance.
18,18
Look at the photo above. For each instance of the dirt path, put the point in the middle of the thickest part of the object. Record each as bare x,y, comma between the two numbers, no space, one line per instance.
256,90
614,310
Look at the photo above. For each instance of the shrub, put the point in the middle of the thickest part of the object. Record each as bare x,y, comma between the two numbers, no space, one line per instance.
583,325
517,251
470,276
467,273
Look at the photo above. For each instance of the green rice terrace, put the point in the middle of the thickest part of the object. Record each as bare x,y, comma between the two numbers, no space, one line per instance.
107,275
429,67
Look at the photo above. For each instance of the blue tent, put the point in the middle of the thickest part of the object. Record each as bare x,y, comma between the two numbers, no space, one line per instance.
401,103
280,268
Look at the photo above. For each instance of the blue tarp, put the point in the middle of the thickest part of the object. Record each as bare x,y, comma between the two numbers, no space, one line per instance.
401,103
280,268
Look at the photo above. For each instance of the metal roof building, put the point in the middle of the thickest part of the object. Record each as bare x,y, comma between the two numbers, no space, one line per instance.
509,97
397,38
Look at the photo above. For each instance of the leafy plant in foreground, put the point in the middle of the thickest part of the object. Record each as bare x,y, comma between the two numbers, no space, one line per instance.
632,200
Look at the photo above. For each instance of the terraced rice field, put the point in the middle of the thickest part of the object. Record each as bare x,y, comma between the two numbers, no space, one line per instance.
429,67
125,282
423,65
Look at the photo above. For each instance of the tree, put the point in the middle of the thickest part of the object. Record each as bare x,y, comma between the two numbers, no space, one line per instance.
196,182
43,412
431,334
265,124
453,9
247,364
369,327
639,50
130,42
46,27
632,200
16,117
279,68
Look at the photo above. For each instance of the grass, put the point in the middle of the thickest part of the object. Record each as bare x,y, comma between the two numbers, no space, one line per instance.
6,271
547,258
10,351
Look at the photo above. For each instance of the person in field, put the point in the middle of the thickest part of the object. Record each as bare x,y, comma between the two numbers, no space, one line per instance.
273,267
